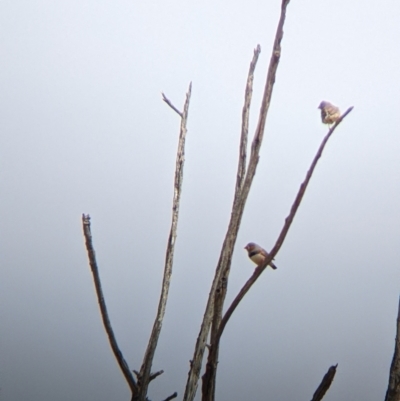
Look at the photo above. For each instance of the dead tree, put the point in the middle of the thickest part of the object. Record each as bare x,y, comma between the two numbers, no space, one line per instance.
214,318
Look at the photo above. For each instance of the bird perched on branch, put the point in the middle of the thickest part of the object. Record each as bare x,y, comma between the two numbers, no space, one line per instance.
258,254
329,113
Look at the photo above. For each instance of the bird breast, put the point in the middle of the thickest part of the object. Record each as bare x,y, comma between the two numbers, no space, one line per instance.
257,258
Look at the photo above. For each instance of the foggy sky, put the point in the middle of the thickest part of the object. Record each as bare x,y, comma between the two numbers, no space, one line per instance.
84,130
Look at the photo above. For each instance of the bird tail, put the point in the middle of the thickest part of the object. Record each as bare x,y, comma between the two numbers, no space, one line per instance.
272,264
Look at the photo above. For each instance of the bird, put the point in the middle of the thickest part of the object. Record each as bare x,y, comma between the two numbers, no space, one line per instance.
258,254
329,113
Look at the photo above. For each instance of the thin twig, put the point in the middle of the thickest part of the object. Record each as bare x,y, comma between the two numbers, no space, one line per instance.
284,231
208,386
169,103
156,374
103,309
393,390
180,160
325,384
172,396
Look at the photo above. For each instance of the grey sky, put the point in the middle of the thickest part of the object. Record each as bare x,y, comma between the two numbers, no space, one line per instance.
83,129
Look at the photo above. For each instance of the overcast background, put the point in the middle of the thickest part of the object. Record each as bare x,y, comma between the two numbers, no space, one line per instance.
84,129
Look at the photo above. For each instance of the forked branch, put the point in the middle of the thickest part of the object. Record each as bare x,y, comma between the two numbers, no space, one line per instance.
208,387
145,375
227,248
103,309
284,231
243,185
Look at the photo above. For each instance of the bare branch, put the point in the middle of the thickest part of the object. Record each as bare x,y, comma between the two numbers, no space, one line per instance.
269,84
208,386
222,271
224,263
284,231
103,309
393,390
227,249
172,396
169,103
180,160
325,384
245,122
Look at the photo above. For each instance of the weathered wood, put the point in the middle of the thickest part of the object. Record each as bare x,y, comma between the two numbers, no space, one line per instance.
103,308
393,390
145,370
213,312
